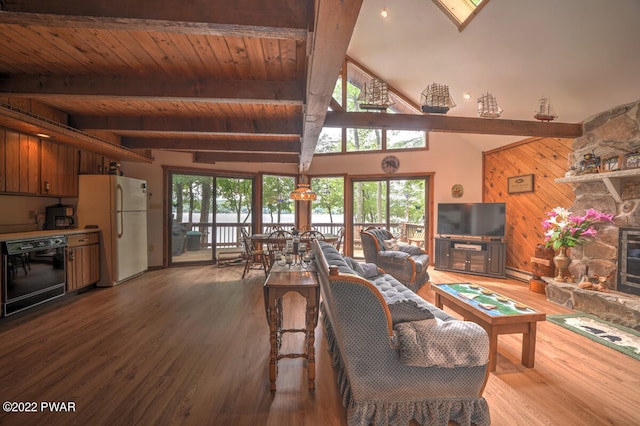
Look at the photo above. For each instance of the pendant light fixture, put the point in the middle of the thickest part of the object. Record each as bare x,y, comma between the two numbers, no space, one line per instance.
303,192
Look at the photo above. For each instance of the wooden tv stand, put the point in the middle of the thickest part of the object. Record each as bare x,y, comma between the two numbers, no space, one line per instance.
471,255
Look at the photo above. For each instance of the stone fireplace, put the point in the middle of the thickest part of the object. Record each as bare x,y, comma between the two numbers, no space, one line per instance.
612,134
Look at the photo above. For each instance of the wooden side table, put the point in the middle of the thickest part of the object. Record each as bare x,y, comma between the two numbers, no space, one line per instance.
280,281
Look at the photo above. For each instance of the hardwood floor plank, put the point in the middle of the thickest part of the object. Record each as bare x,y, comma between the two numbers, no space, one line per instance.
190,345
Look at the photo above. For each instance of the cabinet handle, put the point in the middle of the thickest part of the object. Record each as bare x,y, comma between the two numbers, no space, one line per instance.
82,240
71,255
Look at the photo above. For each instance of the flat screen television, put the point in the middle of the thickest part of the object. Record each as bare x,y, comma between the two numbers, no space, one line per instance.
472,219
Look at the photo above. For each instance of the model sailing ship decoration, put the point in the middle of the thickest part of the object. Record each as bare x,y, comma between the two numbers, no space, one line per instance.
375,96
436,99
488,106
545,111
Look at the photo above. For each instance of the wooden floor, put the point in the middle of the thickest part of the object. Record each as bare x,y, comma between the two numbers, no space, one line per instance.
189,345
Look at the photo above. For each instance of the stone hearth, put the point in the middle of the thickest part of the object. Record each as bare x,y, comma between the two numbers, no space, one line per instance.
618,308
613,133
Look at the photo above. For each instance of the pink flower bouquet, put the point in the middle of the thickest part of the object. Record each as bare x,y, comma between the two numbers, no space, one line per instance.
562,229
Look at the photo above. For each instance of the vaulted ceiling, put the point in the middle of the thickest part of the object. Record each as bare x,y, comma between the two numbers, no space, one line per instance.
580,53
251,80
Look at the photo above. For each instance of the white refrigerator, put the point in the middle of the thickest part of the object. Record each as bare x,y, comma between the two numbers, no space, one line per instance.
118,206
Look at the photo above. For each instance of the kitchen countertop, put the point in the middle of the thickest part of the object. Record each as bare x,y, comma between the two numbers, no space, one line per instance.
44,233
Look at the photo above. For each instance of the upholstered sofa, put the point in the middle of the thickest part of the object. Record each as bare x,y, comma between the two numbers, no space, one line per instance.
398,356
406,262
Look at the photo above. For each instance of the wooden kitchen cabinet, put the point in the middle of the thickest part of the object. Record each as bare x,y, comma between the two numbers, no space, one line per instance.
83,260
20,168
93,164
59,175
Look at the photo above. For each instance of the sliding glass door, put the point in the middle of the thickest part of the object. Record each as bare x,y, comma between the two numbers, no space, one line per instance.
207,213
397,204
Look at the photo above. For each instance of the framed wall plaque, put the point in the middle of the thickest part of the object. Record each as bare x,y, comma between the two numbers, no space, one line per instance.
517,184
632,161
610,164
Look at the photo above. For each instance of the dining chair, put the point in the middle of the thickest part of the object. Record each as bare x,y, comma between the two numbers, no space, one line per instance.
307,237
311,235
253,255
272,228
277,242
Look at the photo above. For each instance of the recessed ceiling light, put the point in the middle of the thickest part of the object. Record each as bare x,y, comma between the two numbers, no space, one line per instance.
384,13
467,95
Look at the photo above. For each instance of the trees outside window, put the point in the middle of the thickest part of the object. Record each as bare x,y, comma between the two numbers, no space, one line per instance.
201,223
327,214
277,208
397,204
345,94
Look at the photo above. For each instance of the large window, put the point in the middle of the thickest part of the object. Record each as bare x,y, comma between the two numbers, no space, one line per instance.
327,211
397,204
277,208
347,97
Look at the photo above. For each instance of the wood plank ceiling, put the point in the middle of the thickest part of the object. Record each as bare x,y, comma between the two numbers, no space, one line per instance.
226,80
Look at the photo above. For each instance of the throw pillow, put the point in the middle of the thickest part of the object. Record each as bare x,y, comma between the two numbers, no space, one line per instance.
391,244
369,270
437,343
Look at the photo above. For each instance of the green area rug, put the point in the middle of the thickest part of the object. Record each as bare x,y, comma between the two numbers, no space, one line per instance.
622,339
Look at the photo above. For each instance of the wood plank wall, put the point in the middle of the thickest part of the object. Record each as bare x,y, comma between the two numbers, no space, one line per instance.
546,159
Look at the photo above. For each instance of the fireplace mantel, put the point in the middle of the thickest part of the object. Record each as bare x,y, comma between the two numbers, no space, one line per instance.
613,181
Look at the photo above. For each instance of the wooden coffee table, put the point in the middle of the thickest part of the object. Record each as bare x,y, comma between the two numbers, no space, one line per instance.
495,313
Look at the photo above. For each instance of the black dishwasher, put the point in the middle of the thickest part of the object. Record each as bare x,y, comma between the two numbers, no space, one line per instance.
33,272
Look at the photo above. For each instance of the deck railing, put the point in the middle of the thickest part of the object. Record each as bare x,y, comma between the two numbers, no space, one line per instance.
230,235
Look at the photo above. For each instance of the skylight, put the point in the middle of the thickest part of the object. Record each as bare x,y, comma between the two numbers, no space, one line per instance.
461,12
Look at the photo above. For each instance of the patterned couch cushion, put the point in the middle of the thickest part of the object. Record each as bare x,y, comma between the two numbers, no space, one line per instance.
403,303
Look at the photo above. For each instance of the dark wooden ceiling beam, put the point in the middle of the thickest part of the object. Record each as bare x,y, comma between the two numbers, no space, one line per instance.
201,89
248,157
189,125
262,18
329,47
128,24
212,145
451,124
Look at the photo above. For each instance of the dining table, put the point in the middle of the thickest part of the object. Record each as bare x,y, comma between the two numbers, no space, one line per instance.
263,238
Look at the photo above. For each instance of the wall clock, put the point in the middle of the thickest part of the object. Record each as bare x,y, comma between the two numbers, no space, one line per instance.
390,164
457,190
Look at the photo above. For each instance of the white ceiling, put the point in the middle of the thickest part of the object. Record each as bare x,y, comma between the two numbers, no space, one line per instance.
583,54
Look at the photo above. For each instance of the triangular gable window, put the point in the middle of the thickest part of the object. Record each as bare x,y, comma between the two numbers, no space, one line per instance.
461,12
